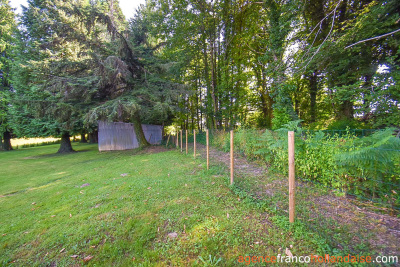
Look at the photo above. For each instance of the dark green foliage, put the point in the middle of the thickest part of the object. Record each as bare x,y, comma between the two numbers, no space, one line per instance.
79,63
218,65
367,167
372,166
347,124
243,73
7,27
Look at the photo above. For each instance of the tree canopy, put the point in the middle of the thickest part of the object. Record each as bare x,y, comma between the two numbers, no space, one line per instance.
78,65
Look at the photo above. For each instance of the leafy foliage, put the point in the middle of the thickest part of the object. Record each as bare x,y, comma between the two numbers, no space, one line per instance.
367,167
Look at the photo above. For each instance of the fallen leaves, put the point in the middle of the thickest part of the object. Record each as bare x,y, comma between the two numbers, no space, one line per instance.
61,251
88,258
173,235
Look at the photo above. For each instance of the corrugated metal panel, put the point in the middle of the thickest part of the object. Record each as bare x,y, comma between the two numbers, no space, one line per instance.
121,136
153,133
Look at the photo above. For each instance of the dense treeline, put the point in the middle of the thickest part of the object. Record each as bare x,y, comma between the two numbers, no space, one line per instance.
198,64
77,62
264,63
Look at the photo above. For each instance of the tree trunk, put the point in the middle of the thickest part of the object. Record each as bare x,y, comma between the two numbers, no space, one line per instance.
266,102
7,141
83,138
93,137
139,131
346,110
65,145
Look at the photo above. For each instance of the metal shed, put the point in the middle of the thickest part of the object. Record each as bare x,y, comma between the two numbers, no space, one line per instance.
121,136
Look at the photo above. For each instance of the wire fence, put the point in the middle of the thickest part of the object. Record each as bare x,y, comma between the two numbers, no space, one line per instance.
356,132
347,187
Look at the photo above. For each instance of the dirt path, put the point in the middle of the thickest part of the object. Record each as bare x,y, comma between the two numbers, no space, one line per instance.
342,220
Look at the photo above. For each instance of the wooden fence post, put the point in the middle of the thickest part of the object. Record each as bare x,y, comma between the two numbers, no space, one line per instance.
186,142
194,143
292,172
231,156
181,142
208,150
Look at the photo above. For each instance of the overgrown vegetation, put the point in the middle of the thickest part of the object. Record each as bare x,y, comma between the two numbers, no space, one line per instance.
348,221
367,167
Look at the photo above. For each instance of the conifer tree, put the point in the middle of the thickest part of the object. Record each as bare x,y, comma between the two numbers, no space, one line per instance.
7,27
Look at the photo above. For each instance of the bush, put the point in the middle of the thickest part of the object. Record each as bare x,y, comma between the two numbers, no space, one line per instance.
346,123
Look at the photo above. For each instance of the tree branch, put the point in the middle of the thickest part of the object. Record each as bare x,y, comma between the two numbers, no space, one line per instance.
330,31
372,38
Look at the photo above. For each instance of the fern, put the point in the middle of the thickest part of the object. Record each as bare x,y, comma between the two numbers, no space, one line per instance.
372,166
373,156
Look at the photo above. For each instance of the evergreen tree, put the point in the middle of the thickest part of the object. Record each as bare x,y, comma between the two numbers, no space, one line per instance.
7,27
80,63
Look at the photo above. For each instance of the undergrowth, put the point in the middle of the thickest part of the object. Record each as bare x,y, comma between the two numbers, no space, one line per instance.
367,167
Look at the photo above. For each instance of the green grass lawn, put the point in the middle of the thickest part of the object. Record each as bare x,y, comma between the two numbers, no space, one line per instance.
124,216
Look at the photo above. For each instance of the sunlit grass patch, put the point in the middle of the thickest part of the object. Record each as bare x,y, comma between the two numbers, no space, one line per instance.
18,142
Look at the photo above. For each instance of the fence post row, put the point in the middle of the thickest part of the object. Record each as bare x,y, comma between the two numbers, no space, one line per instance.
231,156
194,143
292,184
208,150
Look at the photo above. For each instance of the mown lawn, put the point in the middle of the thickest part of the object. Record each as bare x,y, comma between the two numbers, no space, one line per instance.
120,207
